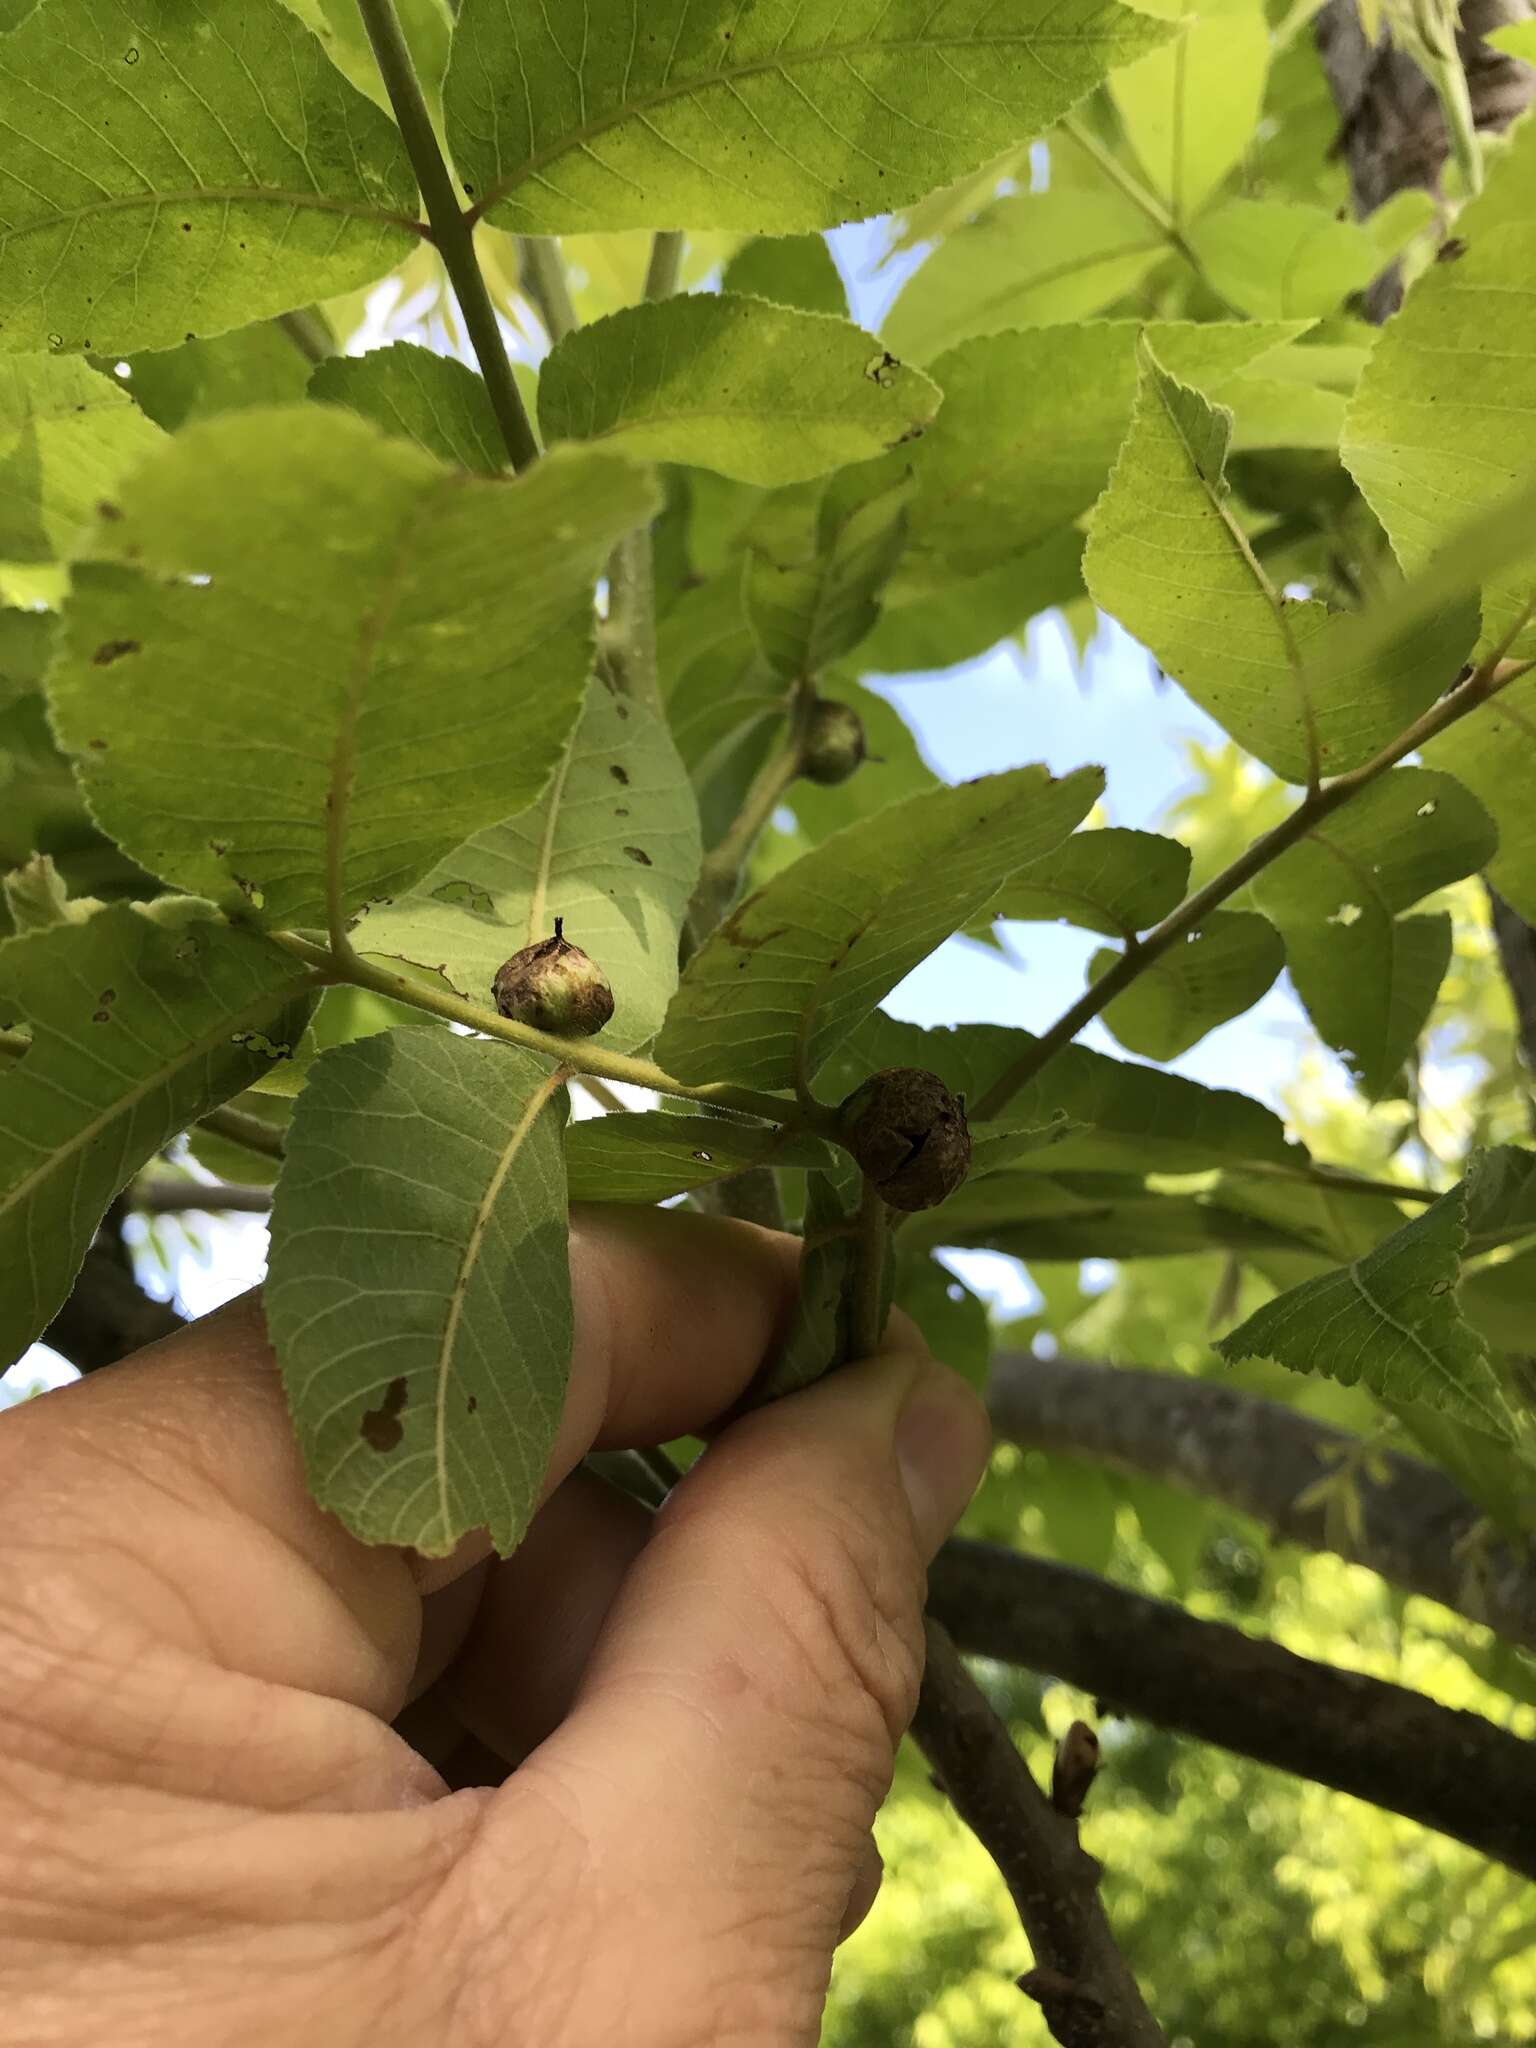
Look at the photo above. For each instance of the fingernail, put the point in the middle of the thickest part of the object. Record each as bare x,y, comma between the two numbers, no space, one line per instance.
943,1440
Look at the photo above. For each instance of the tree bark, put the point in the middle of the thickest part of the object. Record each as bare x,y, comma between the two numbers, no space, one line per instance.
1261,1458
1080,1980
1450,1770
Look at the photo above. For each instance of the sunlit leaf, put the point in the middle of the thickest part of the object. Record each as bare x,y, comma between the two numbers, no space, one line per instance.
776,119
1281,261
766,394
789,974
416,395
1214,973
807,605
1169,557
1030,258
253,366
792,270
1493,752
1367,975
1190,108
162,178
380,610
1390,1321
1444,421
66,436
1110,881
611,847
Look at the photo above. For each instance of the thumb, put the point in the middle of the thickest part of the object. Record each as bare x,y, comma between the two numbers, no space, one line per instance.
737,1725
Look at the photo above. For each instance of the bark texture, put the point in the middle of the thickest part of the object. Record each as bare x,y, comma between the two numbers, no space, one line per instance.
1417,1528
1449,1770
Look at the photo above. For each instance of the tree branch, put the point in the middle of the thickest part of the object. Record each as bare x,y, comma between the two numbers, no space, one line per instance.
451,229
107,1314
1080,1980
1262,1459
1493,675
1450,1770
167,1194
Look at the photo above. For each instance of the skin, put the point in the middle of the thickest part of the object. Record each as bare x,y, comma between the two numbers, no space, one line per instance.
644,1753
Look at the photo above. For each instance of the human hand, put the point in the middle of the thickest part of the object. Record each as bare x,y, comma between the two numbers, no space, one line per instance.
210,1833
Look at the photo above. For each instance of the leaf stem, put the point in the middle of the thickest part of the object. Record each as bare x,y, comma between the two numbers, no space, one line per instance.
866,1308
244,1130
720,875
545,282
308,332
631,625
1493,675
580,1055
451,228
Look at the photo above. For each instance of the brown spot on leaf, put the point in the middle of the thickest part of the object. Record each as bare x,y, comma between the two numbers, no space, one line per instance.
472,1404
114,650
107,510
100,746
619,774
381,1427
1451,250
881,369
639,855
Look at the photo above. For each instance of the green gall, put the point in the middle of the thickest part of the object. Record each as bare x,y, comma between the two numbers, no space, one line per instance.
834,743
555,987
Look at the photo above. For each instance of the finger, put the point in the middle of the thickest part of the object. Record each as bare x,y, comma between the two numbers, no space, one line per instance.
866,1889
736,1727
169,1493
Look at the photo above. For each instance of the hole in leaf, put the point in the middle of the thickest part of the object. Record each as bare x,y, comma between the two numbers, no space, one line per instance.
381,1428
1427,810
1346,914
704,1158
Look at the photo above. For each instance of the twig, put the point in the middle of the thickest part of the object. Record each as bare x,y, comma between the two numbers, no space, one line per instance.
171,1194
451,229
581,1056
309,334
602,1095
629,638
241,1129
1415,1527
1484,682
720,875
545,282
1080,1981
867,1317
1449,1770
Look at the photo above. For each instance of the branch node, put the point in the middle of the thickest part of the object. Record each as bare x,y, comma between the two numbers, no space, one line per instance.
1075,1768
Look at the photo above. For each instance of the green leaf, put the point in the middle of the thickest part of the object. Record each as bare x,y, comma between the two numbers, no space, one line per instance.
1493,752
66,436
416,395
612,847
653,1154
138,1023
158,183
766,119
1107,880
425,1407
792,270
1283,261
253,366
1501,1197
820,1333
1516,38
935,628
1444,421
807,607
1190,108
370,618
952,1319
1367,976
1120,1118
1031,423
1391,1322
26,644
1213,974
782,982
765,394
1035,1216
1030,258
428,26
1168,556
